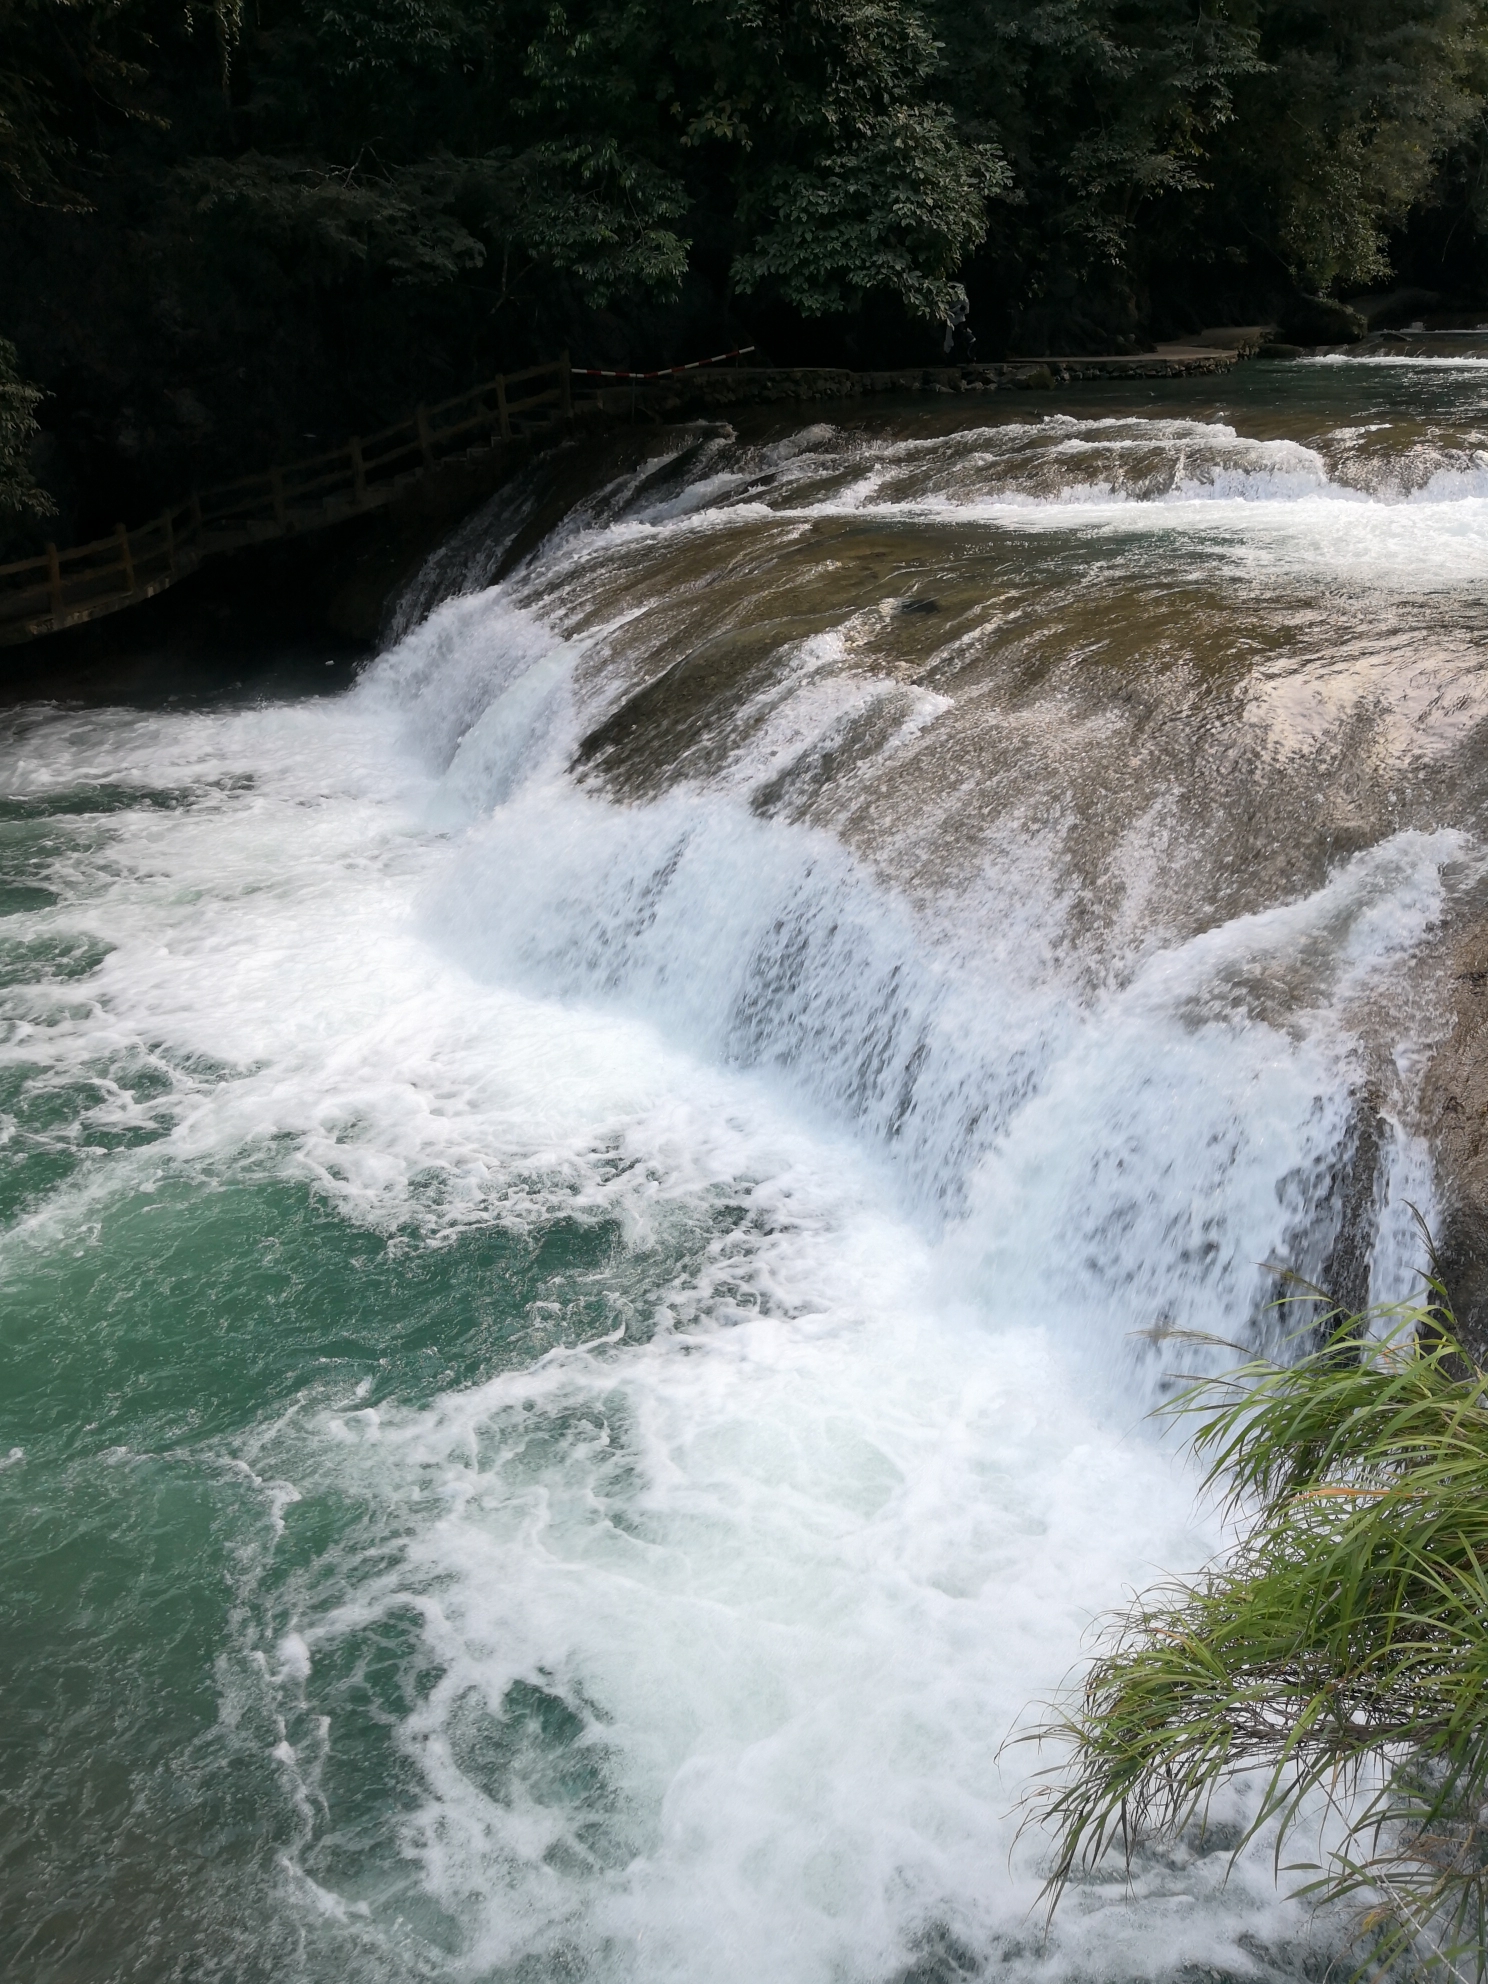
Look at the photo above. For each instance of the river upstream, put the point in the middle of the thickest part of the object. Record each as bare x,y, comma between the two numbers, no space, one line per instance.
585,1222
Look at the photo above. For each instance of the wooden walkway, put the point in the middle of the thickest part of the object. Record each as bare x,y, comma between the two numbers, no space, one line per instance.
63,588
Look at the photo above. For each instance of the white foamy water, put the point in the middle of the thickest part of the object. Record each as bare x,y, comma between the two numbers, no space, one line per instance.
1347,507
718,1622
1467,362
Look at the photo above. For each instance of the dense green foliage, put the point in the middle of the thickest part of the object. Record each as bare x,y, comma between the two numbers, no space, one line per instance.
1191,163
1340,1652
20,495
226,229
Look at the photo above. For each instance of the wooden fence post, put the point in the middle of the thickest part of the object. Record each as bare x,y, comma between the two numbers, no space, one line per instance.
565,385
276,483
170,540
54,579
126,558
358,471
421,418
501,413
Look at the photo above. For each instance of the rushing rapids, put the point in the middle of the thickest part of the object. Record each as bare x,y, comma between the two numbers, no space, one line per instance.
590,1223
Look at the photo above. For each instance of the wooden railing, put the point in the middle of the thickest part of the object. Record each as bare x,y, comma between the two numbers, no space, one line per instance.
61,588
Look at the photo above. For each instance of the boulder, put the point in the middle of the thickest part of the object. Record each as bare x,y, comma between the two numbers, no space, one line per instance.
1321,320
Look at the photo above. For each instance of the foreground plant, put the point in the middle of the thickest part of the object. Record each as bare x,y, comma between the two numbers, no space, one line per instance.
1340,1651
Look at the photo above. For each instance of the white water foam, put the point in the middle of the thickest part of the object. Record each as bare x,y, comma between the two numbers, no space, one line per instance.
794,1581
1467,362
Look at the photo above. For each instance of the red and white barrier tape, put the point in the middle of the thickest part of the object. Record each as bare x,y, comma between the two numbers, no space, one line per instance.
663,372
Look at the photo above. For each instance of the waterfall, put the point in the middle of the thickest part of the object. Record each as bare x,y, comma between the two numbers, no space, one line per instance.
611,1204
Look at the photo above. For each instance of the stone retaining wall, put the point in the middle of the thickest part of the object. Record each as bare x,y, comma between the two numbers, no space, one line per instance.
760,386
764,385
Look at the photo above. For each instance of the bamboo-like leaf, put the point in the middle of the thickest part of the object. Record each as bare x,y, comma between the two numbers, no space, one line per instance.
1348,1628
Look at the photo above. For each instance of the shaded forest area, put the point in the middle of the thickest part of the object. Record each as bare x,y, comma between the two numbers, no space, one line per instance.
229,231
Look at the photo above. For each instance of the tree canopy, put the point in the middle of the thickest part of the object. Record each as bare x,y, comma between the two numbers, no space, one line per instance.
226,228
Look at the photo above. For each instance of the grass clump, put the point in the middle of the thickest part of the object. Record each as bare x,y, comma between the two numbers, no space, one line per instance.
1340,1650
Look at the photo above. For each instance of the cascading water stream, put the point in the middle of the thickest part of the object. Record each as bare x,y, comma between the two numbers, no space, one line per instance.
590,1225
